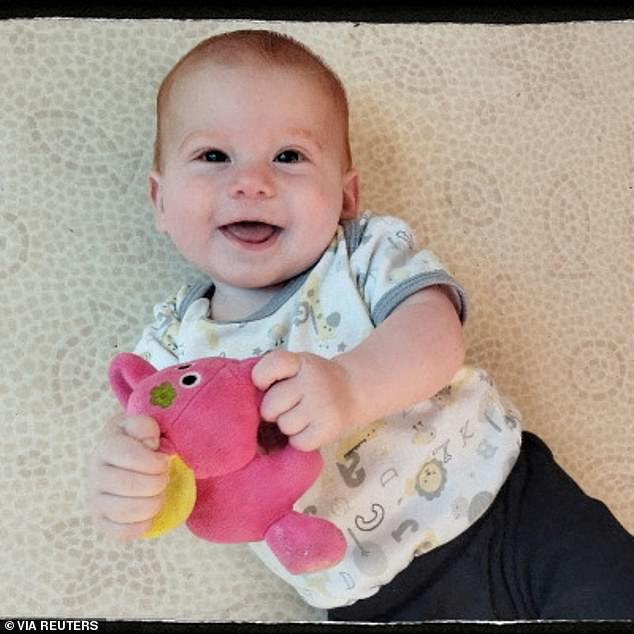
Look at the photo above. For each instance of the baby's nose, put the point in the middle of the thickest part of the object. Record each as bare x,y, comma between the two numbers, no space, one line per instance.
253,182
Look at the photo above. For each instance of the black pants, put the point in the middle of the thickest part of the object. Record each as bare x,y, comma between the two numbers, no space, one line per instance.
543,550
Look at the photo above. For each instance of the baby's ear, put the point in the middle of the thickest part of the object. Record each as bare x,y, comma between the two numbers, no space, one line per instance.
126,372
351,195
154,194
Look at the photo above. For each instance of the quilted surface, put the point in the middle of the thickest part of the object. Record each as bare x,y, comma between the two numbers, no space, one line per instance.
509,148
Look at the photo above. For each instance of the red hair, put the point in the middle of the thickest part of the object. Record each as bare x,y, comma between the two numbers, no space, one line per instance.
255,46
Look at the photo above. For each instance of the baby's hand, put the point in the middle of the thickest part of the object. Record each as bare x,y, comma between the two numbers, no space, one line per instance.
126,476
309,397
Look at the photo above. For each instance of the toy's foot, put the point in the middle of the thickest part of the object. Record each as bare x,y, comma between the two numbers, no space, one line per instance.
180,497
304,543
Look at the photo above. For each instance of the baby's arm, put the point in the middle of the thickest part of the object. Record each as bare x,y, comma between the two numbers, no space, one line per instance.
408,358
126,476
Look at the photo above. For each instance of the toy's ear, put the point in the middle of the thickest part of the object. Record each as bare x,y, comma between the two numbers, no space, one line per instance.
125,372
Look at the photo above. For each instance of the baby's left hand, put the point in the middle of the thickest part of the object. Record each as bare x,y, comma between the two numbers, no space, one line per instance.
309,397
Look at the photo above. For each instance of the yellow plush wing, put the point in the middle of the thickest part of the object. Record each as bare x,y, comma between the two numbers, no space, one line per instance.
180,497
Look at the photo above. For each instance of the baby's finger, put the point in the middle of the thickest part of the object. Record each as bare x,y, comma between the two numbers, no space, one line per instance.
275,366
122,532
127,483
123,510
309,439
143,428
125,452
292,423
279,399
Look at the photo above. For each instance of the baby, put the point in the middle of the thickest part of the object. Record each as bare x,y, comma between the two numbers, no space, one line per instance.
449,510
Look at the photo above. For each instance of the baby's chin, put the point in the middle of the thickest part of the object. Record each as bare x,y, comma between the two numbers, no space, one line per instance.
276,277
267,274
252,282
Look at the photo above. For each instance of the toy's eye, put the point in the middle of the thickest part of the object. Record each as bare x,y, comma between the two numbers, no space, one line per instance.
184,367
190,380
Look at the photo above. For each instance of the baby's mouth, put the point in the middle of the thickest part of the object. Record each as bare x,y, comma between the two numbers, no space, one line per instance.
252,232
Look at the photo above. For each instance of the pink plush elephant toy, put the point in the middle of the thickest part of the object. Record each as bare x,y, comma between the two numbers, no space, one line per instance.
223,482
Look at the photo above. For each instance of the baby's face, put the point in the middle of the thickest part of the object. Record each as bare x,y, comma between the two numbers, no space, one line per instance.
254,179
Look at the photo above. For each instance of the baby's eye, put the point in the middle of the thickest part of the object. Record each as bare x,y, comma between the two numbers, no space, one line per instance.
214,156
289,156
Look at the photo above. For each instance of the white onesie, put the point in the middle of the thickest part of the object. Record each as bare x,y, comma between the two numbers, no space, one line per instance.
401,485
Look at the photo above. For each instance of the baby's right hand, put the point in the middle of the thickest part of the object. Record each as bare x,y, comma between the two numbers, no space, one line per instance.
127,476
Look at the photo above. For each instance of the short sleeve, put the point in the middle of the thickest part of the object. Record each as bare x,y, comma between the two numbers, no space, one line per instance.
388,267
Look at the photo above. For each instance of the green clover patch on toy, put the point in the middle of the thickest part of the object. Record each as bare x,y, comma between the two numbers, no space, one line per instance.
163,395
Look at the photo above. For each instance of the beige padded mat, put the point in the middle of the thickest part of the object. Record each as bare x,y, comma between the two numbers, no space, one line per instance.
510,149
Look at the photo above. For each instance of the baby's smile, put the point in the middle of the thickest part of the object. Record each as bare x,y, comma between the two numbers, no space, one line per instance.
251,234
